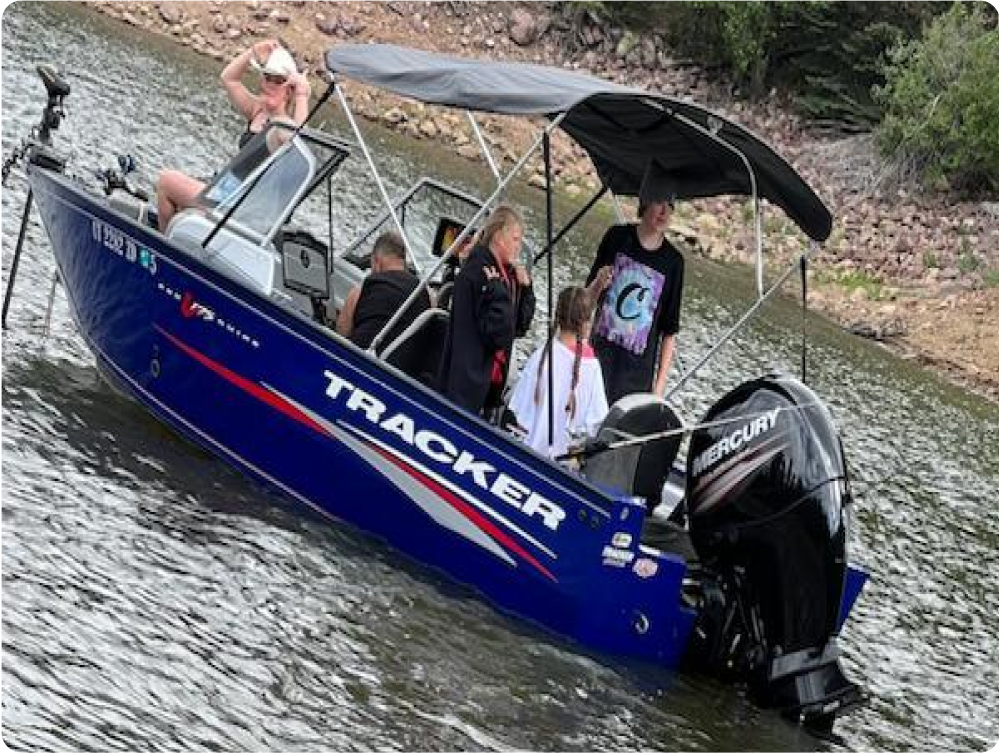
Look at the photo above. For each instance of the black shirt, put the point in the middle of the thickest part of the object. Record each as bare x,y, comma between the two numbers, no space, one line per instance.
641,306
486,315
382,294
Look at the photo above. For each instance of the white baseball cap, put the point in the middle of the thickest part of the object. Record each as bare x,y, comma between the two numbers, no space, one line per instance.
279,63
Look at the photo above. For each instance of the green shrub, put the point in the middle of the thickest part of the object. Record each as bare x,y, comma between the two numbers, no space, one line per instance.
941,99
829,54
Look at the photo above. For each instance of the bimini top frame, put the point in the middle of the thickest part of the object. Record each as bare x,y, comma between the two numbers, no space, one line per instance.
622,130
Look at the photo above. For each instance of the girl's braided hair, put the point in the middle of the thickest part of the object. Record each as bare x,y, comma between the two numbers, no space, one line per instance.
572,312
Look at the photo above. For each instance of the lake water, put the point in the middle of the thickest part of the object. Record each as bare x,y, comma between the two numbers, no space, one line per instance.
154,599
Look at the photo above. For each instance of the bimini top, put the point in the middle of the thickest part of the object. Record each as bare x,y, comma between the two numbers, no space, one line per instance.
621,128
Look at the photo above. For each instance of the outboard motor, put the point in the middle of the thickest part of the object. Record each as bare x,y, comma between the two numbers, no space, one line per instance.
767,490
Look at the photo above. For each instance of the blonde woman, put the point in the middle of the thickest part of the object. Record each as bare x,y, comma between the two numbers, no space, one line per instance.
284,97
493,303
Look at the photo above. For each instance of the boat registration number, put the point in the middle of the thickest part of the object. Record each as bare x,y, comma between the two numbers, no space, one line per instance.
122,245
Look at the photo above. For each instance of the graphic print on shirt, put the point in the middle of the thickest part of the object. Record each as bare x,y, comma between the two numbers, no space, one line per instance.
629,310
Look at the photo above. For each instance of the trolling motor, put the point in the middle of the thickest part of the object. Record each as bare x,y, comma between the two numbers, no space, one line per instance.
767,492
37,148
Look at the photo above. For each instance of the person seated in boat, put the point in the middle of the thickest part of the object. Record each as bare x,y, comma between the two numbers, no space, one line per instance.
284,97
493,302
639,275
369,306
580,404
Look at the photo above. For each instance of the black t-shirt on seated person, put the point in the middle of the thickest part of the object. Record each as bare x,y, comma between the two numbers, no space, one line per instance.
641,305
382,294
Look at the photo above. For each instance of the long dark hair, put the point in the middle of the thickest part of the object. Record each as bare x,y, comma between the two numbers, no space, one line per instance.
572,313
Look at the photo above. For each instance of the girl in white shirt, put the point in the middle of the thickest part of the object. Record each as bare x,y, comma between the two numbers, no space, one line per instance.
579,399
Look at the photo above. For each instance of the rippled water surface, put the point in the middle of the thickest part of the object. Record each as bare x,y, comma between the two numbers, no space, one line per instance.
155,599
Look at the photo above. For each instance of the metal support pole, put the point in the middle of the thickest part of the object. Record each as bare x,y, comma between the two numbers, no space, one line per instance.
571,224
735,327
410,254
549,235
484,146
51,304
804,318
17,258
759,242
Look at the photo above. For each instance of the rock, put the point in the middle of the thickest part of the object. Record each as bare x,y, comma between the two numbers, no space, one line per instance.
328,26
170,15
649,54
394,116
708,223
523,29
429,129
541,25
627,44
352,27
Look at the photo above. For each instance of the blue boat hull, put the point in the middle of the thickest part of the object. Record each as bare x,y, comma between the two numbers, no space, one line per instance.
290,404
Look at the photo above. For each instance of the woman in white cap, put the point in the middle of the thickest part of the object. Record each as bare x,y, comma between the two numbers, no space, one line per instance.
640,275
284,97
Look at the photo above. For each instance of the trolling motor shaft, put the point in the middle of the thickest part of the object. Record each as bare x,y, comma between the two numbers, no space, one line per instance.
36,147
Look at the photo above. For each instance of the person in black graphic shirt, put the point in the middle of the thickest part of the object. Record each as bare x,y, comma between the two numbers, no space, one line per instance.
493,303
369,307
640,276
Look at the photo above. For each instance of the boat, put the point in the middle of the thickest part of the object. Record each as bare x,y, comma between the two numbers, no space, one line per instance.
219,328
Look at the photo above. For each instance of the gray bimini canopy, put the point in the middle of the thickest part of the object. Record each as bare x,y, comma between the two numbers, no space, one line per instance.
622,129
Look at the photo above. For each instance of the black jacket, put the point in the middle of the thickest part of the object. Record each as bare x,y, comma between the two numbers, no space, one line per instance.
486,315
382,294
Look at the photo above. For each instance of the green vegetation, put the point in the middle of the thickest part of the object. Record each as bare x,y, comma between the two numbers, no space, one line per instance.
967,262
829,54
991,277
941,99
853,280
931,260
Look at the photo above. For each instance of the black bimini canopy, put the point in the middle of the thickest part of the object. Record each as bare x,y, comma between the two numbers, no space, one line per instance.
622,129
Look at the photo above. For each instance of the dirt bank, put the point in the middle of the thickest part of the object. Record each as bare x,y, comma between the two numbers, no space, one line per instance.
917,272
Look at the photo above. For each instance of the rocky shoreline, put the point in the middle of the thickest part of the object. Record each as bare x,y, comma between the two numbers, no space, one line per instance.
917,272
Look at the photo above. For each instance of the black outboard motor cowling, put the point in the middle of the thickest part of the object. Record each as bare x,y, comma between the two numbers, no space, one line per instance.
766,495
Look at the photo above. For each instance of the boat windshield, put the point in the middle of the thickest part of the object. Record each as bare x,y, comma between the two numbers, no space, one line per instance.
422,210
284,180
